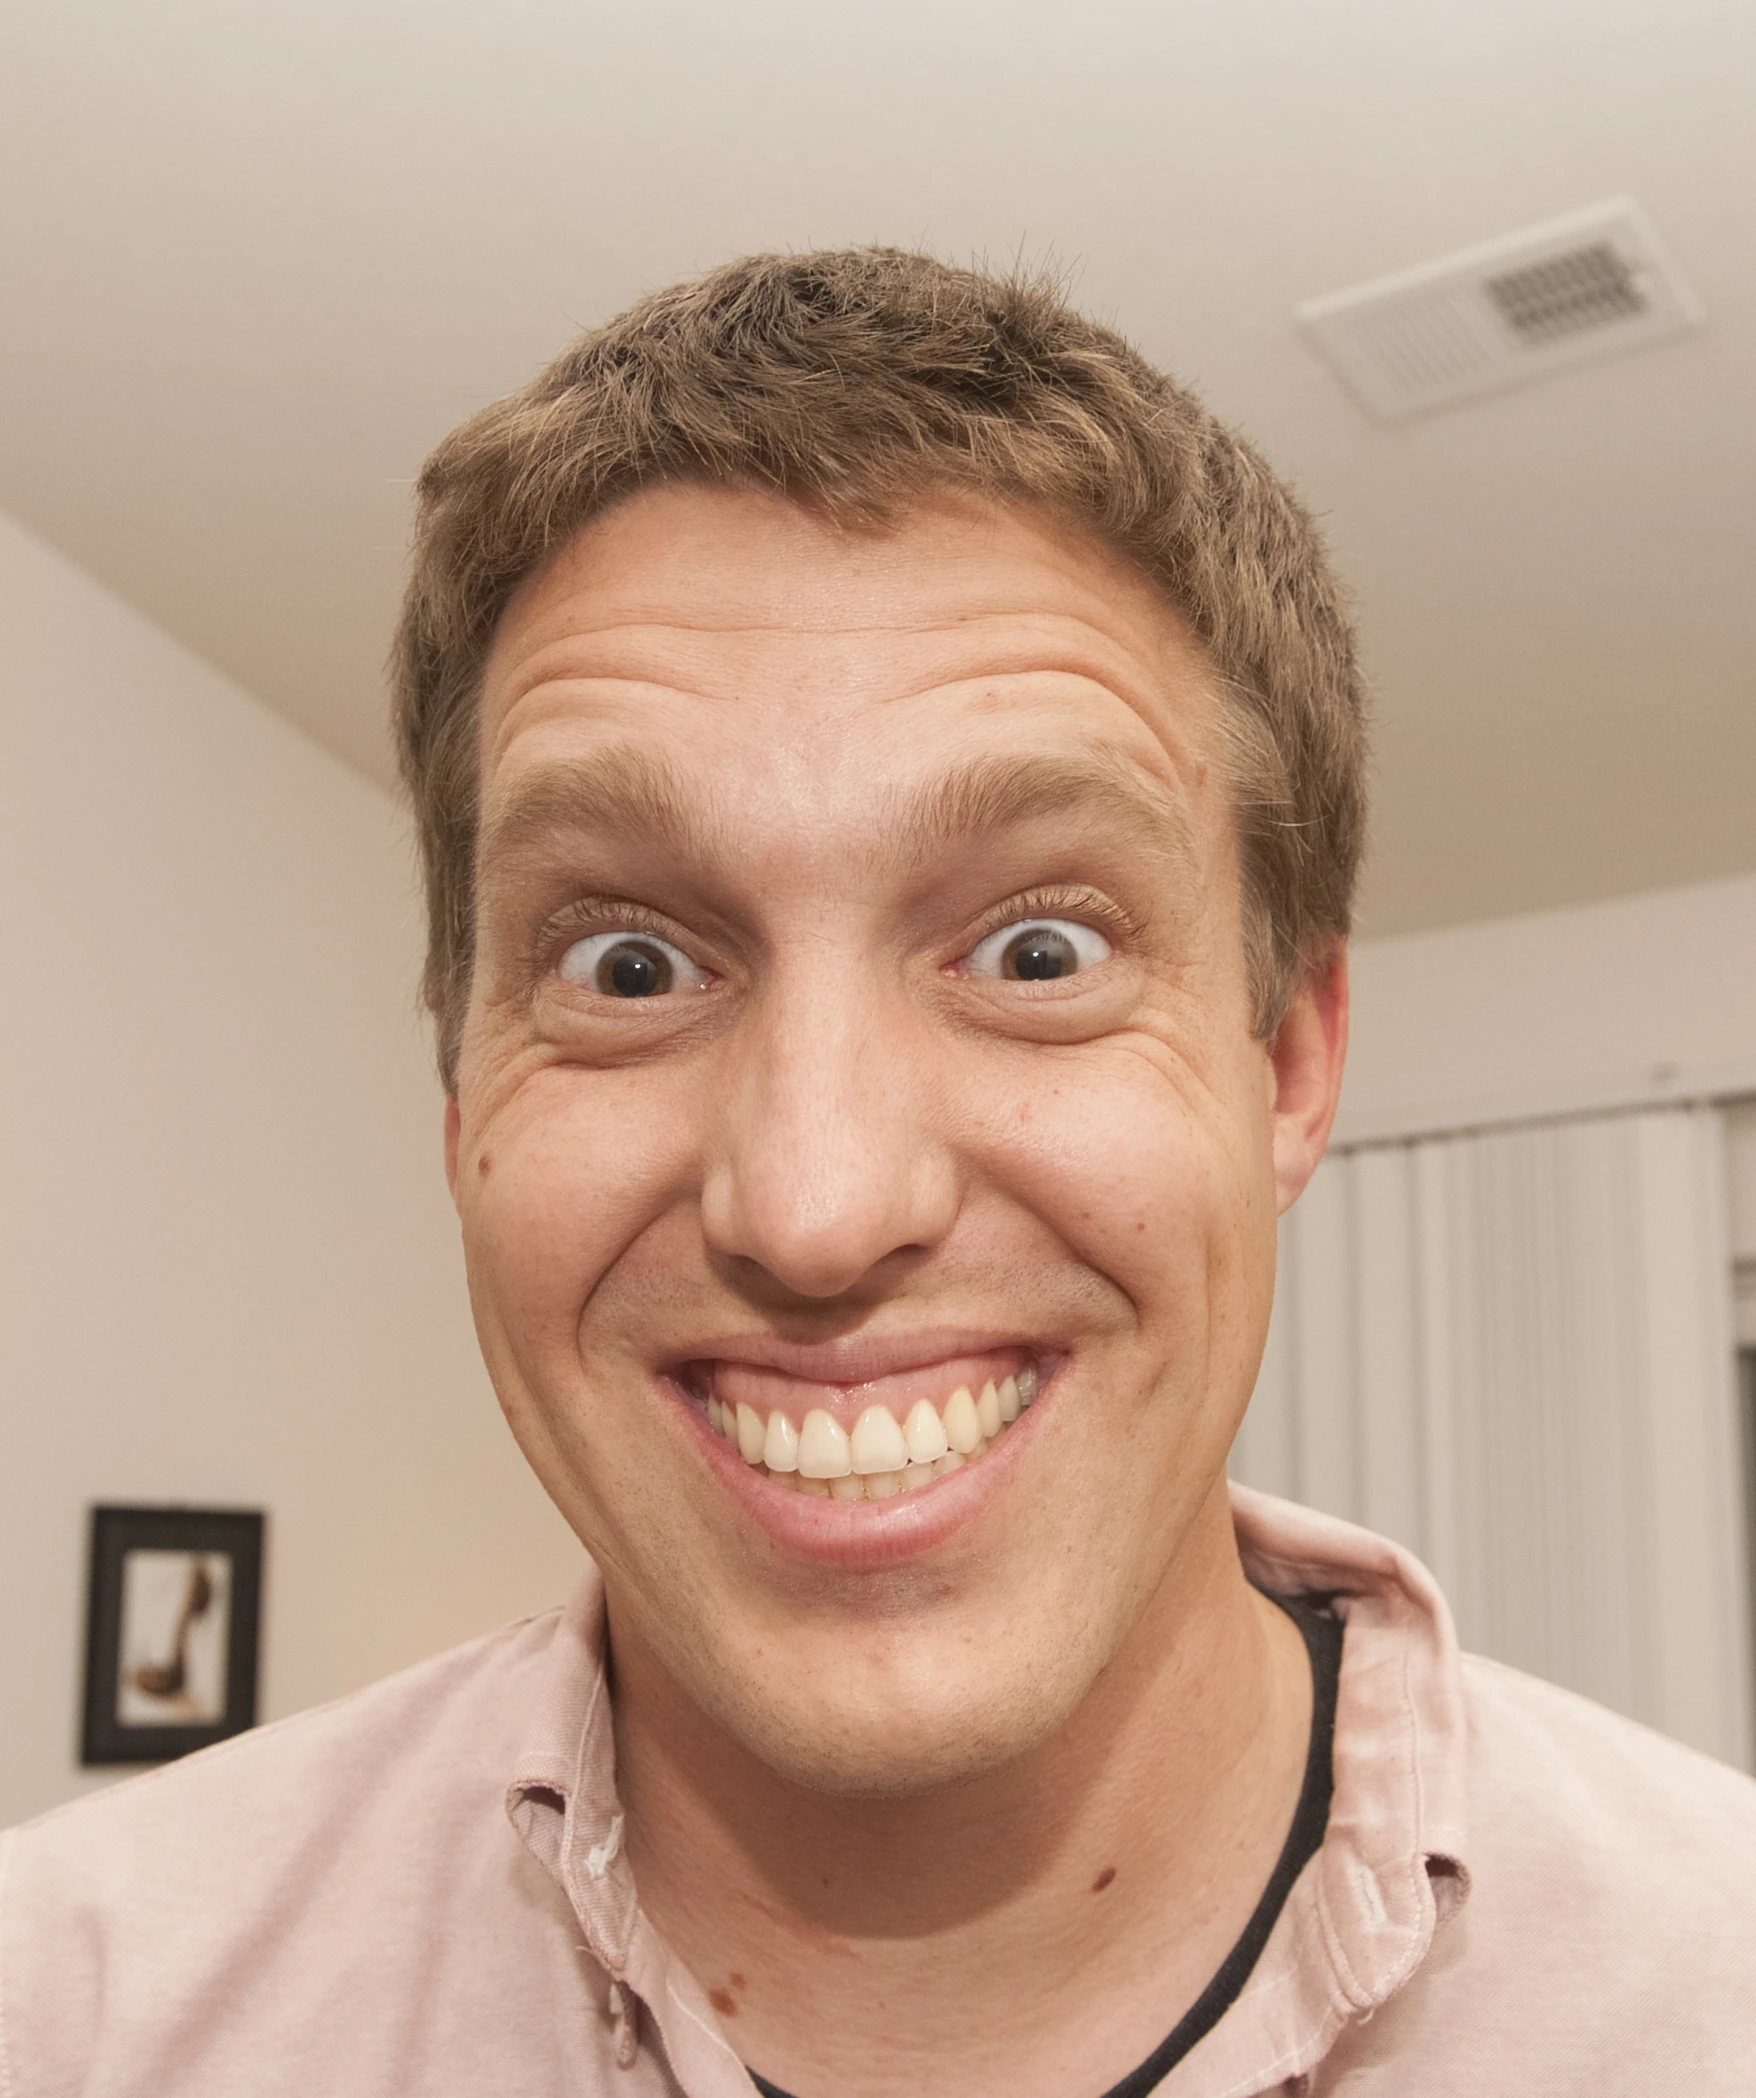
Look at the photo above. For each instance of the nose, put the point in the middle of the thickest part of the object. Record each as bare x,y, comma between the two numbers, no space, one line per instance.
828,1160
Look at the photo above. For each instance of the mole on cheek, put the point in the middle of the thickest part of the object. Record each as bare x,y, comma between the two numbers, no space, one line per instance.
484,1166
724,2002
1103,1879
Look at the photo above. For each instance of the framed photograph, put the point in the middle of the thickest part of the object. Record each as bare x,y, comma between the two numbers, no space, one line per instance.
173,1618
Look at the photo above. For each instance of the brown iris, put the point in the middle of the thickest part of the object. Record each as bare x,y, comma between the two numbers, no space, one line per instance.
1038,953
633,969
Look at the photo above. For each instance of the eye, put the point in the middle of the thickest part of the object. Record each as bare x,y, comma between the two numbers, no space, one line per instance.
1037,951
630,965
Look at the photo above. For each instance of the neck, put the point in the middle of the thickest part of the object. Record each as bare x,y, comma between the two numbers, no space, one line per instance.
1039,1929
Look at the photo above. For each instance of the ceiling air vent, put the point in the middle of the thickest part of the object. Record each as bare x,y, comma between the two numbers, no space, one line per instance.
1575,289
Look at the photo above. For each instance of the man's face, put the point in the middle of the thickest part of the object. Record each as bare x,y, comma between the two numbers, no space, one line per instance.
860,1020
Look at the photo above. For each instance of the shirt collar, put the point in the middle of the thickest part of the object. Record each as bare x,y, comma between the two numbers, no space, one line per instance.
1392,1866
562,1797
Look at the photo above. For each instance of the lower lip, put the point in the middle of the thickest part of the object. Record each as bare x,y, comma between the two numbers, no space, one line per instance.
862,1536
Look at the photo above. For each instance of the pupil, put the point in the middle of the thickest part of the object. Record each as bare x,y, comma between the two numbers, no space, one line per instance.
1040,953
634,972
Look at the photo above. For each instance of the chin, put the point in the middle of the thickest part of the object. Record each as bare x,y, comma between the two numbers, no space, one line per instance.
903,1741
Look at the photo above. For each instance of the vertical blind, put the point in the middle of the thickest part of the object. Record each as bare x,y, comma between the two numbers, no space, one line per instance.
1511,1350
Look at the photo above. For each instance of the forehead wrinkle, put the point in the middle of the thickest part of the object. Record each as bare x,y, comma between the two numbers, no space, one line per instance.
1001,641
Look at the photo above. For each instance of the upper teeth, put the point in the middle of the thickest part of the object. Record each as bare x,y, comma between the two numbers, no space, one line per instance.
883,1455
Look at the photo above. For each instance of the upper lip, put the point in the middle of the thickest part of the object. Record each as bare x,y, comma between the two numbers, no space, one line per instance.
856,1358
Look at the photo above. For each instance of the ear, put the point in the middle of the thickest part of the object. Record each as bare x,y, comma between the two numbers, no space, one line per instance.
1305,1060
453,1124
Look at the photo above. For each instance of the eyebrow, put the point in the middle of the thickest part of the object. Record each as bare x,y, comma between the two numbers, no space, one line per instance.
630,788
623,788
1102,783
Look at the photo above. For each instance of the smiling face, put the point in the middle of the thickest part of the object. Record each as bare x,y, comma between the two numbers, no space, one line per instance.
867,1172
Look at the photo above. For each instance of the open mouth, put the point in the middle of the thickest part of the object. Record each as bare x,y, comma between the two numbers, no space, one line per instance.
902,1439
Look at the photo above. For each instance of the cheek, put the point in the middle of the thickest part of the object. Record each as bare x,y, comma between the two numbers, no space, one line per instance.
566,1173
1161,1184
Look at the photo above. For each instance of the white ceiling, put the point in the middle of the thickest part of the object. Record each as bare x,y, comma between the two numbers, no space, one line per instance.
260,254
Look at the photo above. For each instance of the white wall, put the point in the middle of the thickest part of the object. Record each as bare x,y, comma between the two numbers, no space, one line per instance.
1646,998
228,1270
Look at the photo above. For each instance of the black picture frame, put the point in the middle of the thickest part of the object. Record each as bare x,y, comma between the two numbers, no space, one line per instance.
172,1631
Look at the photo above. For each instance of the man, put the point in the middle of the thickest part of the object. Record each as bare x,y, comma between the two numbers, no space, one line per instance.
888,766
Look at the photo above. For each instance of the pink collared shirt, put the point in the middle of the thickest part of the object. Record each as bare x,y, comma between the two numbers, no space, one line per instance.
422,1890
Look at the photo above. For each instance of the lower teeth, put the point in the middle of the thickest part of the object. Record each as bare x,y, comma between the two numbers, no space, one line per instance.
875,1486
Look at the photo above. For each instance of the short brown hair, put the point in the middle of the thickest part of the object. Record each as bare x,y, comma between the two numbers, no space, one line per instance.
852,382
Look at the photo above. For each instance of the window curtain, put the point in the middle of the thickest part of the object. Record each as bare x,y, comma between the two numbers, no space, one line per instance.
1512,1350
